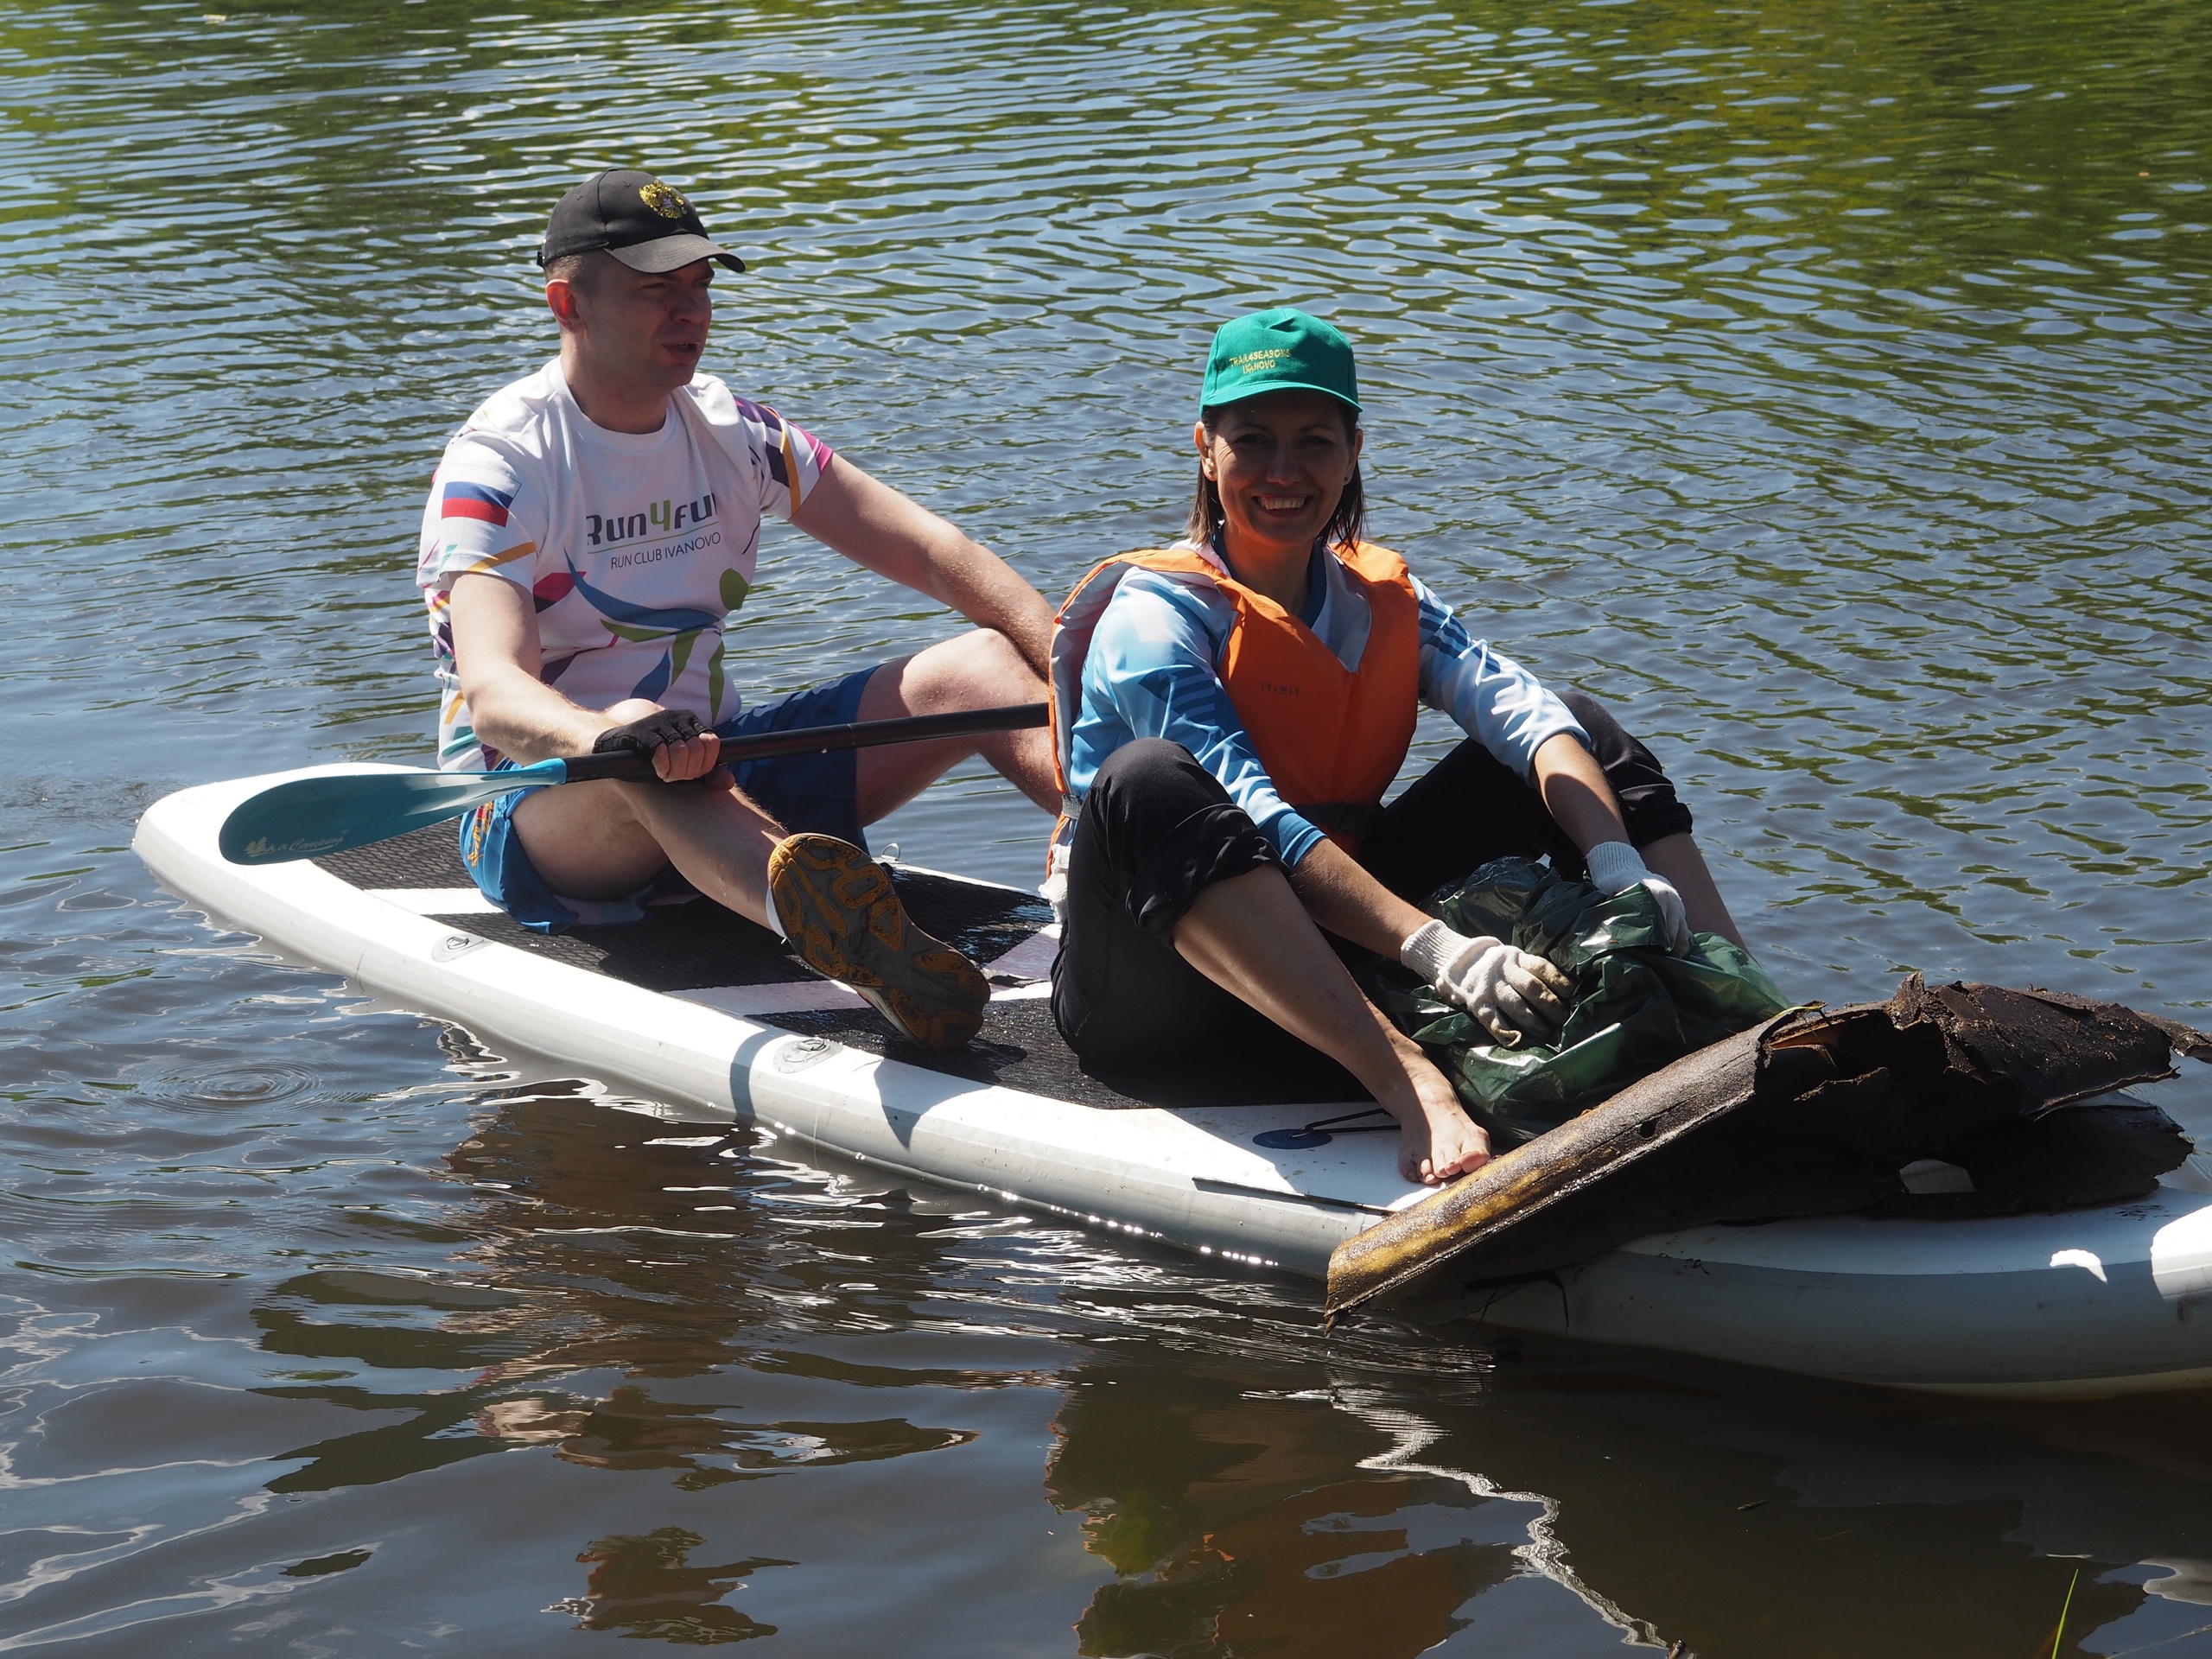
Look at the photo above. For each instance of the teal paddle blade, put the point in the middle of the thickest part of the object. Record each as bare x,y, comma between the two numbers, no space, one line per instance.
310,816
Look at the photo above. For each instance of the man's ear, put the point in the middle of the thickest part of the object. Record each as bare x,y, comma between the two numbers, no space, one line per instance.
566,304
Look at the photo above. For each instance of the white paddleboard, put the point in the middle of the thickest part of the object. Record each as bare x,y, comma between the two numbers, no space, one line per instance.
700,1011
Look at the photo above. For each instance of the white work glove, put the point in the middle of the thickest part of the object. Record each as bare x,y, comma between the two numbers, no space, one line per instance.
1615,866
1511,993
1053,889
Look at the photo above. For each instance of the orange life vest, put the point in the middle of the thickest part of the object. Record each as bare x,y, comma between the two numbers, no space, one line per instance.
1330,737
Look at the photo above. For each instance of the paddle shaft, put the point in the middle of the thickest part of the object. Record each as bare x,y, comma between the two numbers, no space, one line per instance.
309,817
628,767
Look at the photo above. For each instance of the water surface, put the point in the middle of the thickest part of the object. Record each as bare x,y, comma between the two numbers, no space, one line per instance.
1824,383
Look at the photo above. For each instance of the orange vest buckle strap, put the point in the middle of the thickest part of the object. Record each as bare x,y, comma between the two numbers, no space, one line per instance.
1330,737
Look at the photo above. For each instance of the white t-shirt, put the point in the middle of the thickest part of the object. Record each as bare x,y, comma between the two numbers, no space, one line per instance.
636,548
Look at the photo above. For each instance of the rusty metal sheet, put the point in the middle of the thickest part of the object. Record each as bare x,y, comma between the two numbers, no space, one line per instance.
1813,1113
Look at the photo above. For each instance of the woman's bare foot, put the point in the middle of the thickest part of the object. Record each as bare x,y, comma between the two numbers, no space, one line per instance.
1251,936
1437,1140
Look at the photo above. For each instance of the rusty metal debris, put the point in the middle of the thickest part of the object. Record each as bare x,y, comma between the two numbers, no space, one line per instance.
1816,1112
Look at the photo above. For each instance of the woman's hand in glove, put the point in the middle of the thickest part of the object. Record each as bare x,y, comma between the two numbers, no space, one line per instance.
1513,995
1615,866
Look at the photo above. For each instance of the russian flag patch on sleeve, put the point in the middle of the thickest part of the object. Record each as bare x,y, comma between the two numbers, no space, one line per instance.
464,500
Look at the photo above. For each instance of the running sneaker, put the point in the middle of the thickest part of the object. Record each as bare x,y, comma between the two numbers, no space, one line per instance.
842,914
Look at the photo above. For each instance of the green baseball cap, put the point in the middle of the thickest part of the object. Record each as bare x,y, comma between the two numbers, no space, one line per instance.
1280,350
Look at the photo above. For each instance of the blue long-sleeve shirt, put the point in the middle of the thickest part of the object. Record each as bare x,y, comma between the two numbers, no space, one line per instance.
1154,671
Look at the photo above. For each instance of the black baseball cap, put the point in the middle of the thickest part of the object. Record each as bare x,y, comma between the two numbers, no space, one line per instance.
647,225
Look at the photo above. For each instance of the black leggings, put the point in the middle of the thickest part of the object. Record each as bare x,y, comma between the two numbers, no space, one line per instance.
1157,829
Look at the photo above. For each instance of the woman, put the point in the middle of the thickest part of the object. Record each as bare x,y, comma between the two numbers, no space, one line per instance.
1227,714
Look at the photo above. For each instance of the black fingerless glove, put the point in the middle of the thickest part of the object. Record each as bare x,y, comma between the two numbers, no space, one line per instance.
655,731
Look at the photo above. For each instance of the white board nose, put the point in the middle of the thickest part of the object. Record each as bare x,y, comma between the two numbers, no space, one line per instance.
2181,1256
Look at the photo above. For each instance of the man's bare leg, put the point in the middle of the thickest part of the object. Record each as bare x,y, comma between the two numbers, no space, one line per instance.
1676,857
980,669
605,840
1251,937
836,904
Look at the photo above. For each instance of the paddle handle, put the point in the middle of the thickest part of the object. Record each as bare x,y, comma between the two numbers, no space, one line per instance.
626,767
623,766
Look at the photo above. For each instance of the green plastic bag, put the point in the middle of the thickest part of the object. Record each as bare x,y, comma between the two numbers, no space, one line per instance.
1634,1008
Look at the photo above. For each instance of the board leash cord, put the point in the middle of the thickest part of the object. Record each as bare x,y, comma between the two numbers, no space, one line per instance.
1322,1130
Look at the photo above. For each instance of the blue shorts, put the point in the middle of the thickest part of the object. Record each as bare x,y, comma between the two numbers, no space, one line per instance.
814,792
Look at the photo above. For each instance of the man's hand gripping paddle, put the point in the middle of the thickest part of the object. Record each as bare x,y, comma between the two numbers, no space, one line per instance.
310,816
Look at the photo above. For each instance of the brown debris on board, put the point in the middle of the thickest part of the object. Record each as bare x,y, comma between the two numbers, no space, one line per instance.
1815,1113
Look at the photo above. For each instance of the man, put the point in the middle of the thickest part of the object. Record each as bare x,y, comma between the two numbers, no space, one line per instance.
589,530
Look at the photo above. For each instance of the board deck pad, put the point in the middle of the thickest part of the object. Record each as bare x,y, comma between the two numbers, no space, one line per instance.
698,945
687,946
1018,1047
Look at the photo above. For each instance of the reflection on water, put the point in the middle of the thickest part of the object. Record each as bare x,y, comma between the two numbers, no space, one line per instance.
1166,1463
1237,1522
647,1587
1821,381
1654,1500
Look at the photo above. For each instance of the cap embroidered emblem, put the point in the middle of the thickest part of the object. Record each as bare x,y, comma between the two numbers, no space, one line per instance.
663,199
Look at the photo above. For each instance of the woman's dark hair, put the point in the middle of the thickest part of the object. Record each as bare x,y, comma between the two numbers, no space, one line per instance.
1344,526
